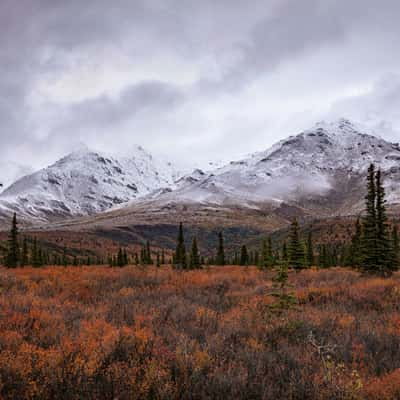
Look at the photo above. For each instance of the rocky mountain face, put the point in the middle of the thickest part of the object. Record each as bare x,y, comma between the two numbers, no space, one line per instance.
321,168
85,183
319,172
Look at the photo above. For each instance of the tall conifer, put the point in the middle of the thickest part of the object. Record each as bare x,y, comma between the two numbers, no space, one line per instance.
180,260
220,250
295,249
13,253
369,225
194,255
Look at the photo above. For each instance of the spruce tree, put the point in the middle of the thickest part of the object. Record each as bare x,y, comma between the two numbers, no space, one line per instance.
376,245
244,257
180,252
295,250
13,254
384,246
310,250
395,247
158,260
194,255
25,253
220,250
369,225
355,251
120,258
64,257
35,258
284,255
162,257
149,260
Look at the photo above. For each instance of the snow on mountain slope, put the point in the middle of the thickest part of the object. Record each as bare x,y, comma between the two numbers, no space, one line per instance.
84,183
329,158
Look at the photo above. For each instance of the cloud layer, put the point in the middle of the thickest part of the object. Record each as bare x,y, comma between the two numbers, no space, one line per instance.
212,80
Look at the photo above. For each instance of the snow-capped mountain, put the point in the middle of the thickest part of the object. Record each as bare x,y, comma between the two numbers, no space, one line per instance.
320,171
84,183
327,162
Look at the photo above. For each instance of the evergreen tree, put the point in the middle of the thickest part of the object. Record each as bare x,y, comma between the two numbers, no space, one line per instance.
355,251
310,250
284,256
40,257
265,261
220,250
125,257
376,245
395,247
323,261
384,246
256,260
162,257
158,260
13,254
180,252
244,257
25,253
369,225
64,257
143,258
35,255
295,250
149,260
284,298
194,255
120,258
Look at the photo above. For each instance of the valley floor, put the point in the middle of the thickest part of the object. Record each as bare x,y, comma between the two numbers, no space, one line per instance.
147,333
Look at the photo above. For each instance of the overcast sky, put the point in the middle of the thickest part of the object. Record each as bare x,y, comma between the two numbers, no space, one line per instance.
193,80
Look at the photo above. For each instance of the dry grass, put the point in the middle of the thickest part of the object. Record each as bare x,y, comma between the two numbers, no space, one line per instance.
137,333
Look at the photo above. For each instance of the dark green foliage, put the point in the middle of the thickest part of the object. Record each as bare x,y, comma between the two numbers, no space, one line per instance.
309,250
162,257
267,258
180,260
25,253
158,260
35,254
354,256
64,257
220,250
244,257
284,253
384,245
295,250
120,258
284,298
376,245
13,255
369,236
149,260
194,255
395,246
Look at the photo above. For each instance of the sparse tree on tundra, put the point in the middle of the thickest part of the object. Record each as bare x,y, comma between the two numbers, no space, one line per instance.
220,250
13,253
180,260
295,250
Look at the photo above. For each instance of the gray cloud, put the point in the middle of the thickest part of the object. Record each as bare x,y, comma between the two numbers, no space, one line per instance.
224,77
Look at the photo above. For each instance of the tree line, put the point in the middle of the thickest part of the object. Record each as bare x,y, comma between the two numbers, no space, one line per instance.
374,247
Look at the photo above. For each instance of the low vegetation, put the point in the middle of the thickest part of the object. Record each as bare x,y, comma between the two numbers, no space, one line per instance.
217,333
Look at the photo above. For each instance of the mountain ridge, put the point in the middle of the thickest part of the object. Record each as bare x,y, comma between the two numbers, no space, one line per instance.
318,171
